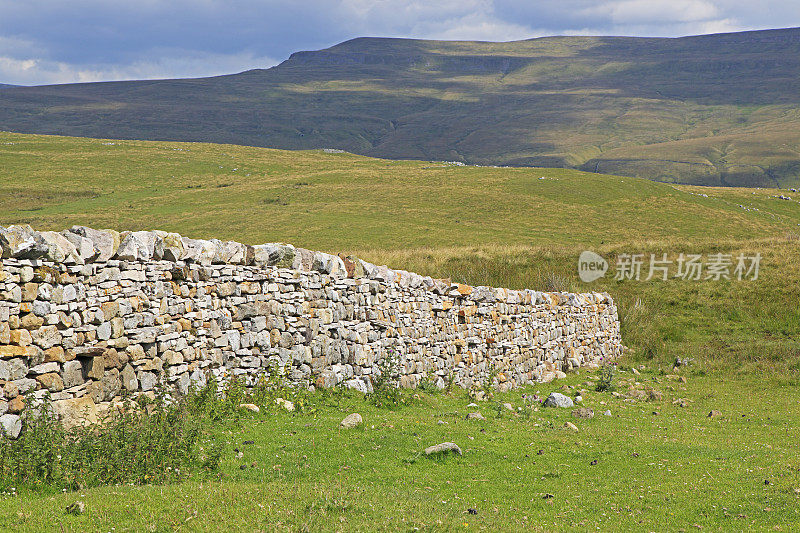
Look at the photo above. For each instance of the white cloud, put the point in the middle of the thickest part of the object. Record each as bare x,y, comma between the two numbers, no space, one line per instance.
474,20
37,71
481,30
655,11
720,26
667,18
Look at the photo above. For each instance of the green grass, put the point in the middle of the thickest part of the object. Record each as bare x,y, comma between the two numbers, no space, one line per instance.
493,226
503,227
654,472
340,202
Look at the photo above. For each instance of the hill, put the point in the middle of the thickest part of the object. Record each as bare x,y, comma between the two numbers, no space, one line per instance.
713,110
512,227
340,201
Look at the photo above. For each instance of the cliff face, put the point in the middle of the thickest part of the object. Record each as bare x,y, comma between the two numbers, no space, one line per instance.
419,60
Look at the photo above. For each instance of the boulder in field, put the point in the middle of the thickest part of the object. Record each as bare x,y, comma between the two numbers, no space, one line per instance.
556,399
351,421
443,449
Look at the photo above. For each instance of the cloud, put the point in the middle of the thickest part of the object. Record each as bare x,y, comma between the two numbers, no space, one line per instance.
37,71
472,29
719,26
445,19
656,11
52,41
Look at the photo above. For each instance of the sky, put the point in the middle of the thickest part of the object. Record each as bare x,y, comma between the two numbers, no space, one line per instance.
65,41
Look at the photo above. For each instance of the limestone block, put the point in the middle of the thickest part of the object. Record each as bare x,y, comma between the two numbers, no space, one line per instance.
137,246
274,254
72,374
84,247
10,425
110,384
76,411
229,252
147,380
104,242
94,368
128,378
51,382
169,247
60,249
22,242
46,337
329,264
44,368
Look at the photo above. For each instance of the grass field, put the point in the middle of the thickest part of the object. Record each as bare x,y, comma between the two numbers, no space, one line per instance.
343,202
651,466
493,226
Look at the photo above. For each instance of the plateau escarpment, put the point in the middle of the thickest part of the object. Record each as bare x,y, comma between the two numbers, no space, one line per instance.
709,110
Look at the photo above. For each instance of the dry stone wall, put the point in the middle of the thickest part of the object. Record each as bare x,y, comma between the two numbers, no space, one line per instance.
89,316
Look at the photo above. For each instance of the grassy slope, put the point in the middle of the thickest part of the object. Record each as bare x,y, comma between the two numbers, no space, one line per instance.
491,226
479,225
712,110
341,201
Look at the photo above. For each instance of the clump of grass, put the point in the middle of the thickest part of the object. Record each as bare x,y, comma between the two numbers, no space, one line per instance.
555,282
428,384
218,401
385,390
274,384
274,201
158,443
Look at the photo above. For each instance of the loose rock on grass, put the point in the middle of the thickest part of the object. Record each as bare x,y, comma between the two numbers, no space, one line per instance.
286,404
76,508
583,412
443,448
556,399
351,421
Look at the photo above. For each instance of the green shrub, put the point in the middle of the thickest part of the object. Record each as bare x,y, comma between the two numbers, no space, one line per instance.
157,443
385,389
606,383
